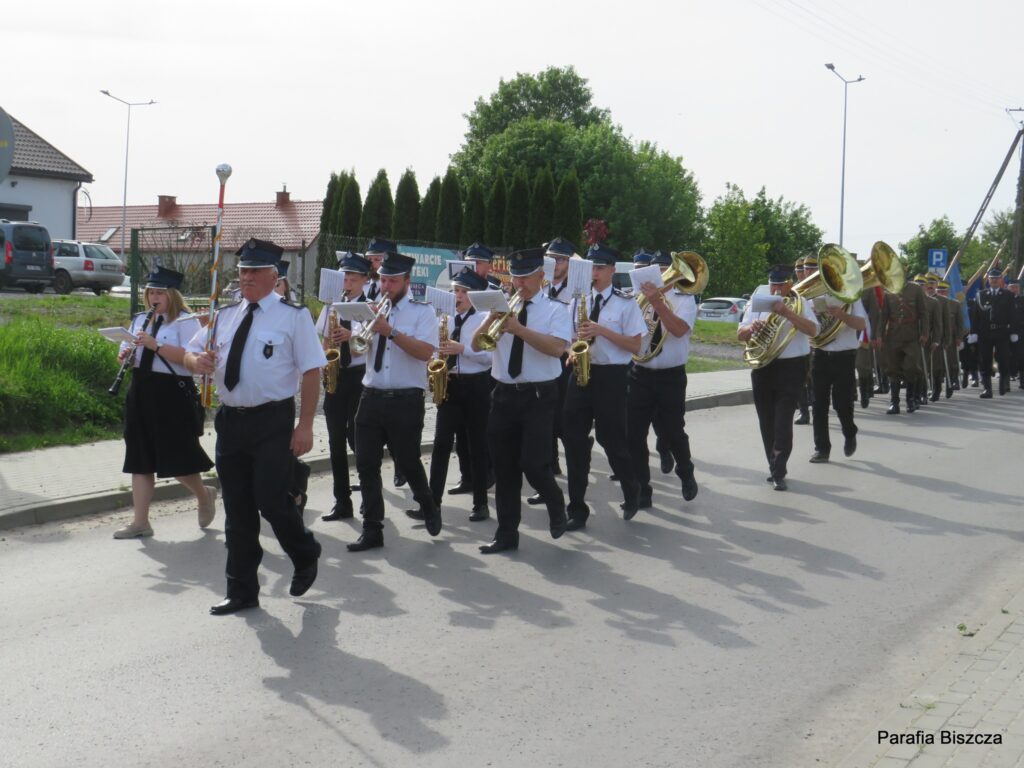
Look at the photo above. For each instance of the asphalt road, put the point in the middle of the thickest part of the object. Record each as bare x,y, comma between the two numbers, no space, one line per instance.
747,628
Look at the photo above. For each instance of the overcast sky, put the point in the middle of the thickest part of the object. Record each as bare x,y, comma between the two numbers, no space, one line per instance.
286,92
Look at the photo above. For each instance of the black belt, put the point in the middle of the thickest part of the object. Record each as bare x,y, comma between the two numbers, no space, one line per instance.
360,367
662,371
464,376
369,392
834,352
243,410
531,386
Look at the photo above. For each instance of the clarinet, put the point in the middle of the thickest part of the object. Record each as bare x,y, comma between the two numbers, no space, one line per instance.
129,359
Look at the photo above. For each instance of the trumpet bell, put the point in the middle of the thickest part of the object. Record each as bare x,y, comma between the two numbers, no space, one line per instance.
884,268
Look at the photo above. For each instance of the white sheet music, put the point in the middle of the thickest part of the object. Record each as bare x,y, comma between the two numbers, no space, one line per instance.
651,274
488,301
117,335
549,269
457,265
580,276
443,302
763,302
332,285
354,311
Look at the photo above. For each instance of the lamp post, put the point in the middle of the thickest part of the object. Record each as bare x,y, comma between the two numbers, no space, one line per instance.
127,135
842,182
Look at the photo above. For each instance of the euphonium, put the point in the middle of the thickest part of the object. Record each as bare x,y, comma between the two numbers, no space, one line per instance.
884,268
688,274
581,349
488,339
437,368
767,344
838,275
361,341
330,371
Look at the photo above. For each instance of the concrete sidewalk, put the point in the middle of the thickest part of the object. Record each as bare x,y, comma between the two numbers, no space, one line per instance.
56,483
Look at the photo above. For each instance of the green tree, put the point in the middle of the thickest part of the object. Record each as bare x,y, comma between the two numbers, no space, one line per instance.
335,216
788,229
325,252
494,223
517,211
939,234
567,219
350,209
379,209
405,225
428,212
735,248
542,207
475,214
449,210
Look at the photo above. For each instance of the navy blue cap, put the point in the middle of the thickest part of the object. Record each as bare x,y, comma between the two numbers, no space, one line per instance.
602,255
259,253
780,273
493,282
470,280
379,246
995,272
559,246
478,252
662,259
353,262
164,278
526,262
643,256
1009,281
396,264
282,268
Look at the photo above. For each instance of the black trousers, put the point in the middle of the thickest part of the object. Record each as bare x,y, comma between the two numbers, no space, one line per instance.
340,414
833,377
602,406
657,397
997,343
465,410
969,359
393,417
776,388
519,435
254,464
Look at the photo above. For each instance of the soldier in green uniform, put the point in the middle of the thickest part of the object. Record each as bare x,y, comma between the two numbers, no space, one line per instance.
938,338
870,341
904,331
953,336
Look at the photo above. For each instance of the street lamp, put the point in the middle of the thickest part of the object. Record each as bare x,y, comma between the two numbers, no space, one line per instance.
842,182
127,134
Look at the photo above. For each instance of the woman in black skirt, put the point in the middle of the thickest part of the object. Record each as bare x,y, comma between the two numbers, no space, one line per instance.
160,425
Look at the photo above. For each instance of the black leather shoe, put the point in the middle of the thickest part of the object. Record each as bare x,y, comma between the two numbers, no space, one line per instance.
558,526
850,447
645,500
934,397
894,408
689,487
615,478
629,509
304,577
480,512
576,523
415,514
399,479
367,540
986,395
667,463
912,405
433,522
462,487
233,605
819,458
535,499
779,484
803,419
769,479
338,514
864,400
500,545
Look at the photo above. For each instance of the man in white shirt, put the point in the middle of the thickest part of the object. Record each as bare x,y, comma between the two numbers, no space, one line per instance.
777,385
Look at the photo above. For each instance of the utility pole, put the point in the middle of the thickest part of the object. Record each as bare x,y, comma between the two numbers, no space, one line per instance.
1018,213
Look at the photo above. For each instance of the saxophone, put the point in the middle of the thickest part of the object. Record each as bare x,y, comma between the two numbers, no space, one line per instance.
437,368
581,349
330,372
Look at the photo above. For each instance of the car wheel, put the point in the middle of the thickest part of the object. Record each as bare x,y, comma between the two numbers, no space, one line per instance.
99,291
62,283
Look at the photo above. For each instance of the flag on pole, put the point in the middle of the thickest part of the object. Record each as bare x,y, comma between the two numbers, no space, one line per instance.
956,290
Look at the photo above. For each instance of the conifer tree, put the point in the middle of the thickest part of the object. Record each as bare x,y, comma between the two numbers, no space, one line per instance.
325,252
427,228
449,210
494,217
517,211
542,207
351,209
407,208
379,209
473,220
568,210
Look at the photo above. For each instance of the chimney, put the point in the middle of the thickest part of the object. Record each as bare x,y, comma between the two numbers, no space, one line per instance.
283,198
165,205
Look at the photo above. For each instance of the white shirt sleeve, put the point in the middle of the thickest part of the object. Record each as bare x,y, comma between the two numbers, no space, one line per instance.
633,320
561,322
306,347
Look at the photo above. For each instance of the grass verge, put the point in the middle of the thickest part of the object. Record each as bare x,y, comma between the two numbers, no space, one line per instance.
707,364
710,332
70,311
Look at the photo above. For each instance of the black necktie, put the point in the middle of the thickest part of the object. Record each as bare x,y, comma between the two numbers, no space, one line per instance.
457,333
378,359
553,292
346,349
146,363
595,311
373,292
233,371
515,358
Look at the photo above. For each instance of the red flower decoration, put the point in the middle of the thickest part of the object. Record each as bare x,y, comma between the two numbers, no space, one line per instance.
597,231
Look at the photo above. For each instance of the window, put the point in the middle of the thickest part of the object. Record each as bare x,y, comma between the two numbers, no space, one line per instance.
108,234
67,249
31,239
99,252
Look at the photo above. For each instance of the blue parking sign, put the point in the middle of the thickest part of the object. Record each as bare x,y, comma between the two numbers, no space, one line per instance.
938,258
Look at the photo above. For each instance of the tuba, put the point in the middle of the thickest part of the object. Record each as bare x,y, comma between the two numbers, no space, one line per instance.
330,372
580,349
361,341
839,275
884,268
767,343
488,339
437,368
689,275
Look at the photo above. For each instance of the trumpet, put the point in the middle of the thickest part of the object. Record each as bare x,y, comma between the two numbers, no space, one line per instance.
361,341
581,349
488,339
330,372
129,359
437,369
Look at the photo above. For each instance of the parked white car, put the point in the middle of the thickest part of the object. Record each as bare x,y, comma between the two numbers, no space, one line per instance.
722,309
85,265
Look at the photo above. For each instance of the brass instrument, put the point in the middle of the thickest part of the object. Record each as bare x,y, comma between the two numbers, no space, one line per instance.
361,341
580,349
488,339
884,268
838,275
767,343
330,371
437,368
689,275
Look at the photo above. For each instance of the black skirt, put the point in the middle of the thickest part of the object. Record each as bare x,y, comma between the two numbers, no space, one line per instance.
158,429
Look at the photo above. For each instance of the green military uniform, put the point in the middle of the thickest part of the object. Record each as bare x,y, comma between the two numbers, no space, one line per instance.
903,322
865,354
936,338
953,331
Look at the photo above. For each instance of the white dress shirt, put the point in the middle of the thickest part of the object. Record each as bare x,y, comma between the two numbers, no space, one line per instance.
321,327
281,346
676,349
176,334
848,338
545,316
619,314
469,362
399,369
800,346
558,292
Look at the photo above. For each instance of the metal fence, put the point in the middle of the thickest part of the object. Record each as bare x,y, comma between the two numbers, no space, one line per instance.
188,250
